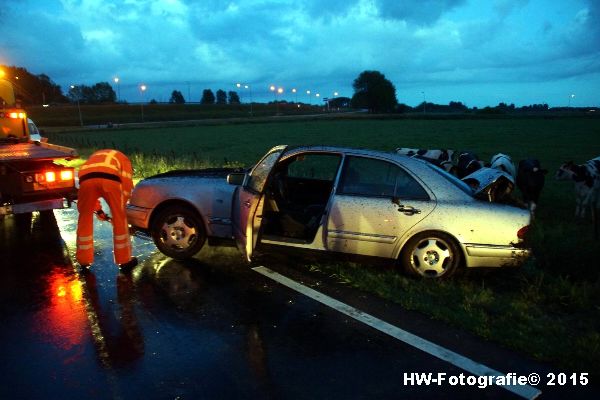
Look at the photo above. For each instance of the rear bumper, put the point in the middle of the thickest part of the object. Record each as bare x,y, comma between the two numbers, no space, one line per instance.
495,256
42,205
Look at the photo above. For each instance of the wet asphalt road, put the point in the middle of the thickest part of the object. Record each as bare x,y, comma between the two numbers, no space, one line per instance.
209,328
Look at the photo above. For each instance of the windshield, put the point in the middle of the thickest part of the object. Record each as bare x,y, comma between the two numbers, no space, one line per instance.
451,178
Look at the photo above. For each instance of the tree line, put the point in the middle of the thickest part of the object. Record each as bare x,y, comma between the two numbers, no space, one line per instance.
372,91
208,97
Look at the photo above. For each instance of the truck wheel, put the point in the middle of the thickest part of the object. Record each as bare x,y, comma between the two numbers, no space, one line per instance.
431,255
178,232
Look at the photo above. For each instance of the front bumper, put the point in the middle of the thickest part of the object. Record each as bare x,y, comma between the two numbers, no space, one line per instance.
138,217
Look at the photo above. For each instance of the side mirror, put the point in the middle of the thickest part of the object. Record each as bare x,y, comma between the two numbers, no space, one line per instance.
236,178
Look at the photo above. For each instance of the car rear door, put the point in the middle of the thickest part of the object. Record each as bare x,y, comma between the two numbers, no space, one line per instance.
249,202
375,203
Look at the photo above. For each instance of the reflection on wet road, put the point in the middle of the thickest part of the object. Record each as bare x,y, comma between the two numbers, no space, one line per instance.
204,328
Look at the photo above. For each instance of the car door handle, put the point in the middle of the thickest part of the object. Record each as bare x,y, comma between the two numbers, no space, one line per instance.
408,210
247,203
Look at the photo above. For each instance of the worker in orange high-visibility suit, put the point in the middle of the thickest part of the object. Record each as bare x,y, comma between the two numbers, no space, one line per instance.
106,174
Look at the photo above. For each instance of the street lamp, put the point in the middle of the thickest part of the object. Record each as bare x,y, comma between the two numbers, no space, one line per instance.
118,89
308,94
423,93
295,95
142,91
247,87
77,93
571,97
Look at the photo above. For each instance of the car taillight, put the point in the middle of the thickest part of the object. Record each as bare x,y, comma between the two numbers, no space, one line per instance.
522,232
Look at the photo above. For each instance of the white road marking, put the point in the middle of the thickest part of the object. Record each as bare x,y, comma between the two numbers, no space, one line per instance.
462,362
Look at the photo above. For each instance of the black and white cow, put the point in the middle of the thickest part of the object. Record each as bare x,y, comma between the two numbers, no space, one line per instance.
442,157
504,163
466,163
587,184
530,181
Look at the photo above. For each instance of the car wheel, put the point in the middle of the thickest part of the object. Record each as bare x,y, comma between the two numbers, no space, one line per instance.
431,255
178,232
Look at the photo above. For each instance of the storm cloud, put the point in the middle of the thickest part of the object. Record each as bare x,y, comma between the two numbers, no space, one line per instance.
480,53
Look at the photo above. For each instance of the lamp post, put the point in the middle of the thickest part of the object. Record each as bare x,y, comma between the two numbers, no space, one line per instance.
77,94
423,93
571,97
247,87
308,94
118,88
295,95
273,89
142,91
279,91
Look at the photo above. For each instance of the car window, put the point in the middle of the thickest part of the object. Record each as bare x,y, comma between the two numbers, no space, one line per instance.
314,166
260,172
370,177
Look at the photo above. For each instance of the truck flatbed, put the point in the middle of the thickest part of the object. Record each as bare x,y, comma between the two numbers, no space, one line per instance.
25,151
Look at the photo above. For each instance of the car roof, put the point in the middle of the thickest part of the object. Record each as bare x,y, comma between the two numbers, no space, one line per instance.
291,150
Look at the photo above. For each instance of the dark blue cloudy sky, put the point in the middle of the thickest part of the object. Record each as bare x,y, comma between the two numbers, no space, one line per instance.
479,52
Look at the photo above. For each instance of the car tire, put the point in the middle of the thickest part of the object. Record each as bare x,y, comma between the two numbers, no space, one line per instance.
431,255
178,232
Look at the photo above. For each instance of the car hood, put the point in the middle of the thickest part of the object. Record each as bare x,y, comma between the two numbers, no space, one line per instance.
490,184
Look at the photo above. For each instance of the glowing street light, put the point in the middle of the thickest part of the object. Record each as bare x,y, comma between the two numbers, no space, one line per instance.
308,94
118,88
295,95
276,91
143,91
249,89
571,97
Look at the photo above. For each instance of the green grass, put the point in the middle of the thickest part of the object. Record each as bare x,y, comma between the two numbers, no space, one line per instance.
68,114
550,308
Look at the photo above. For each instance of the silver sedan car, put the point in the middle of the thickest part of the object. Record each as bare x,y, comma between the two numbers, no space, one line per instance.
337,200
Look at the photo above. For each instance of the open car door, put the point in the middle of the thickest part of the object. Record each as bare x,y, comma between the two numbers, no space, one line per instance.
249,202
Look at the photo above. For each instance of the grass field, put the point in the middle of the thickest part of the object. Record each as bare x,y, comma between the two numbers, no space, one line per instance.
68,114
550,308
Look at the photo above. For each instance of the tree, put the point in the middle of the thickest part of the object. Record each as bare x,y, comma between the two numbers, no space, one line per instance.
373,91
99,93
176,97
221,97
33,89
208,97
102,92
233,98
339,102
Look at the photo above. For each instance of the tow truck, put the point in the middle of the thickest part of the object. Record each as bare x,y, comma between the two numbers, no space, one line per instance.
30,178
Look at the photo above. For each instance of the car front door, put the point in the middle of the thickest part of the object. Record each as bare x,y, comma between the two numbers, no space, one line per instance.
248,204
375,203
